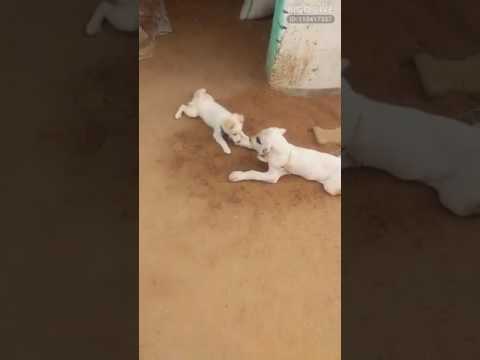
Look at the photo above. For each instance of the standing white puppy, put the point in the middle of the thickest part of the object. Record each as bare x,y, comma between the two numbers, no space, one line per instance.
122,14
284,158
218,118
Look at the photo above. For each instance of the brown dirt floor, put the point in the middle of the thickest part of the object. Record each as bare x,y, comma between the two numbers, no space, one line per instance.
409,267
230,271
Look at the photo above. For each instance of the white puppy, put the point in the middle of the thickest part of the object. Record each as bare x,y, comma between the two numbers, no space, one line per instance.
218,118
122,14
413,145
284,158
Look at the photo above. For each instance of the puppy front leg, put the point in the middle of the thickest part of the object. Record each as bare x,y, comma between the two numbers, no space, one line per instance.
217,135
271,176
262,158
95,23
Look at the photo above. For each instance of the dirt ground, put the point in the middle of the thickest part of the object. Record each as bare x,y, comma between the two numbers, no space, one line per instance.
230,271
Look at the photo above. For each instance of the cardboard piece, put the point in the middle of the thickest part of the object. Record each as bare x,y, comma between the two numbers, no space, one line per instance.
328,136
153,23
471,117
154,18
440,76
146,45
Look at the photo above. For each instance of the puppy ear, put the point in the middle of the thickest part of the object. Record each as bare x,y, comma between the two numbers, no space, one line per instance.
267,147
238,117
266,151
228,124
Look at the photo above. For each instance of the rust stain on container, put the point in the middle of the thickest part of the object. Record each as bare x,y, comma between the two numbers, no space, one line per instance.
292,70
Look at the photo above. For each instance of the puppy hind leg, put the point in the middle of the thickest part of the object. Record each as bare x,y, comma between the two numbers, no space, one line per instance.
179,112
189,109
333,186
332,189
459,200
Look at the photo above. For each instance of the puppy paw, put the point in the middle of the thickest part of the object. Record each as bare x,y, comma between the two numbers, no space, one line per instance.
262,158
236,176
227,151
178,115
92,29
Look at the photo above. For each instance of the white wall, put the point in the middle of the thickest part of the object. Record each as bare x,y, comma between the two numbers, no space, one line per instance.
308,56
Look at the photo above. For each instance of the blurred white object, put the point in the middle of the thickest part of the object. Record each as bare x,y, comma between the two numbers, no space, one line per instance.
154,17
256,9
164,26
122,14
413,145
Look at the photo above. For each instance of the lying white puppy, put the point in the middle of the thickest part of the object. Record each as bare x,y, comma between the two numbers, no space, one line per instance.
284,158
413,145
222,121
122,14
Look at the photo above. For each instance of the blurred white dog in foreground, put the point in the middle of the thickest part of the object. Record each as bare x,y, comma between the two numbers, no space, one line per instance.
222,121
413,145
122,14
284,158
